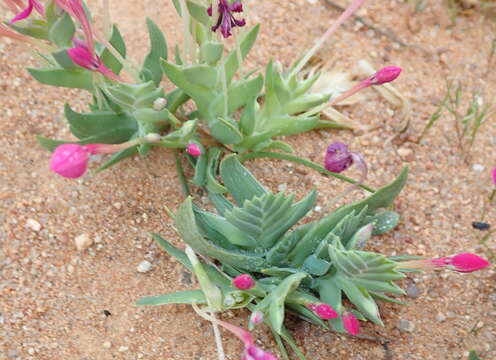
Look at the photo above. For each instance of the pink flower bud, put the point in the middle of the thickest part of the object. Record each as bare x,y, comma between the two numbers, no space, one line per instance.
494,176
351,323
385,75
243,282
256,317
69,160
253,352
323,311
464,262
193,150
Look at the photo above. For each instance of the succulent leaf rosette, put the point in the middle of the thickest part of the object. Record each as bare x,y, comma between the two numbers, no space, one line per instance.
262,260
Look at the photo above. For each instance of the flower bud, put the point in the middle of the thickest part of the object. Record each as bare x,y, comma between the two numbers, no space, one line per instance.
243,282
385,75
351,323
193,150
323,311
69,160
256,317
466,262
159,104
338,158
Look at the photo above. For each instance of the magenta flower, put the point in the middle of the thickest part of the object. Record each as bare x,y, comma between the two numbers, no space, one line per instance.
464,262
251,351
70,160
351,323
323,311
81,55
385,75
226,20
243,282
193,150
32,4
338,158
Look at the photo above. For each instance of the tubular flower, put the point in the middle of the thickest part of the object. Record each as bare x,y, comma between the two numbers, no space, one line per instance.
71,160
81,55
75,8
464,262
32,4
385,75
351,323
226,20
251,352
323,311
243,282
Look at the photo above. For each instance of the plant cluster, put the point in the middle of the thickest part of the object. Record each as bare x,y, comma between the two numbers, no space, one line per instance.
251,253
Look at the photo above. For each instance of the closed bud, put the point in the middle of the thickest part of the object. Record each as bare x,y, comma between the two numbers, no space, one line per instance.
69,160
159,104
193,150
243,282
323,311
385,75
351,323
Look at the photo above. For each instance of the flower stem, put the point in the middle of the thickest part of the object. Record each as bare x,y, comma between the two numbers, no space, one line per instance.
305,162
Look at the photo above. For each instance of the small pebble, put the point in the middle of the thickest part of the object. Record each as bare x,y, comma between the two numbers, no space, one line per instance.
440,317
33,225
478,167
450,314
123,348
317,209
405,153
83,242
413,291
144,266
281,187
107,344
405,326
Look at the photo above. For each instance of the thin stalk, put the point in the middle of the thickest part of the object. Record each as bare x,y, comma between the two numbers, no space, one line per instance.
186,33
224,90
298,160
218,339
182,177
355,5
239,56
107,22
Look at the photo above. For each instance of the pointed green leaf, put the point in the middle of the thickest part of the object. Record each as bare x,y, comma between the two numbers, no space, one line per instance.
180,297
245,46
118,43
79,79
158,51
62,31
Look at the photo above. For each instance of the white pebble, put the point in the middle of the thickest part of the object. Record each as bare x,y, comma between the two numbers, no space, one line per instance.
478,167
83,242
318,209
107,345
144,266
281,187
33,225
123,348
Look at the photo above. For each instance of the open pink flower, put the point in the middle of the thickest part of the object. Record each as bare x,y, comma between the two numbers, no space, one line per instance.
32,4
323,311
82,56
226,20
351,323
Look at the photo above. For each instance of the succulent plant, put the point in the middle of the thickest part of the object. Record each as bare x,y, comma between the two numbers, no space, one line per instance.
294,268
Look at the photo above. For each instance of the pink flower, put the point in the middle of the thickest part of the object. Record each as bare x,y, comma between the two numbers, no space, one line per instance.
243,282
385,75
75,8
69,160
464,262
494,176
82,56
251,351
32,4
193,150
323,311
351,323
226,20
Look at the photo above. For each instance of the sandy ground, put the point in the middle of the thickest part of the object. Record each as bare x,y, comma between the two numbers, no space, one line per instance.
52,297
